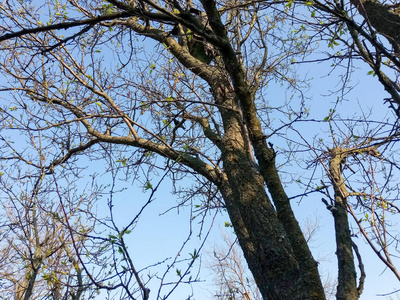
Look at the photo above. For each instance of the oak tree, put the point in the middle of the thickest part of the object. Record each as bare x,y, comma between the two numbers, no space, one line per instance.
180,88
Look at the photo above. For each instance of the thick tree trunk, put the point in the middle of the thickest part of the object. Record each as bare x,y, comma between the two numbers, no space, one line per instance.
265,244
383,18
307,264
272,258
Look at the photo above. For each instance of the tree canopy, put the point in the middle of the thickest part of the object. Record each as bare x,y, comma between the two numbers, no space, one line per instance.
184,92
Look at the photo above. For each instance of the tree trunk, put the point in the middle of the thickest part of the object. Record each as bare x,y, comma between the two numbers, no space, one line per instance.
262,237
383,18
31,283
347,279
268,250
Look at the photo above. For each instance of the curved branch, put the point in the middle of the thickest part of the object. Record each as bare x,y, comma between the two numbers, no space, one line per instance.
64,25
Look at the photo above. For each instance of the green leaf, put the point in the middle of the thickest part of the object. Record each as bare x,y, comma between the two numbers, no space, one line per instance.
113,239
152,67
289,4
99,105
194,255
122,160
148,186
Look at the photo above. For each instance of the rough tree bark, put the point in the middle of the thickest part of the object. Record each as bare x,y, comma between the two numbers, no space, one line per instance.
384,18
347,279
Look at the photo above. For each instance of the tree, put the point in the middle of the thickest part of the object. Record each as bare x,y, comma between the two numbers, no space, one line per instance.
204,114
38,251
353,177
232,277
368,31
